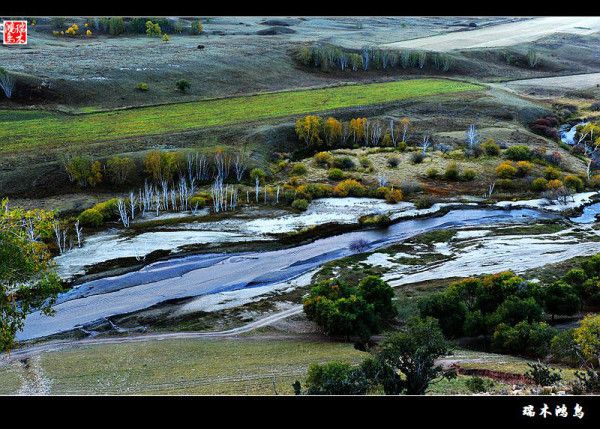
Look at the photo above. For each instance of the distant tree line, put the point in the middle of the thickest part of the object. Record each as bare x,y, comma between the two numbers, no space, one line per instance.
327,57
117,25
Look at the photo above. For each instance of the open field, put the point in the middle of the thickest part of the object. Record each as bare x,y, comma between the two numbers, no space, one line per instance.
21,131
504,34
238,366
235,58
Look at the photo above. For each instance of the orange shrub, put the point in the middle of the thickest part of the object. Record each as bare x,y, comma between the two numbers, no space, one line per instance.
506,170
555,184
394,196
524,168
349,188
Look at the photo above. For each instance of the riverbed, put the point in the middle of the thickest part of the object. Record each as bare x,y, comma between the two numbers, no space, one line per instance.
201,275
207,276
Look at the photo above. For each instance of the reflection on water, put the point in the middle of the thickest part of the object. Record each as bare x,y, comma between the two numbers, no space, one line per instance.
588,215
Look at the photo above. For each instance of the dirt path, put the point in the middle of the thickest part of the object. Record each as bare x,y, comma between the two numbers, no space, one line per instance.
503,35
32,351
575,81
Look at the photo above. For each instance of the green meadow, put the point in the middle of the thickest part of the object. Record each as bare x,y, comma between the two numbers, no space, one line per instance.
33,129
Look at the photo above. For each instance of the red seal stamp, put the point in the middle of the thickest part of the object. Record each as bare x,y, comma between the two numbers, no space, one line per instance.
15,33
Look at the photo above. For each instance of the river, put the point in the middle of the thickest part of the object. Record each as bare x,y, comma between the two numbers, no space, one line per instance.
198,275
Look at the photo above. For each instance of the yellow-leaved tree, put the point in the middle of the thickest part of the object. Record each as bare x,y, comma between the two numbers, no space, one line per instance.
308,129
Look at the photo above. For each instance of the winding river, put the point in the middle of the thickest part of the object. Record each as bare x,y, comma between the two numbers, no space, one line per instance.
206,274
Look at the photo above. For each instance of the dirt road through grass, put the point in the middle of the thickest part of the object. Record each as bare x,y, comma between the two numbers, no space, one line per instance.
503,34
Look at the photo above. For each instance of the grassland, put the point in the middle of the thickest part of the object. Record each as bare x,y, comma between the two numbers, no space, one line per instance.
237,366
29,130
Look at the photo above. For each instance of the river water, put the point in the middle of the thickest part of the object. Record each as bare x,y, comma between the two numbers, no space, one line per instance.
199,275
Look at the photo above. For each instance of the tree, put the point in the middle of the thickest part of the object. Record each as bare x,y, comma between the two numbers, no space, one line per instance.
116,25
335,378
332,129
308,129
257,174
196,27
182,85
515,309
357,129
525,339
413,352
120,169
153,29
83,171
404,122
379,293
561,298
162,166
472,137
587,337
448,309
27,280
542,374
341,309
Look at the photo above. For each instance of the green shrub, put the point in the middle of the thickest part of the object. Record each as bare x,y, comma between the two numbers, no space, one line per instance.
91,217
432,172
423,203
490,148
393,162
469,174
518,153
120,169
324,159
335,174
539,185
479,385
153,29
505,184
452,171
365,162
342,309
542,374
573,182
108,209
182,85
417,157
142,86
300,204
552,173
335,378
299,169
374,220
84,171
595,182
344,163
197,201
456,154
